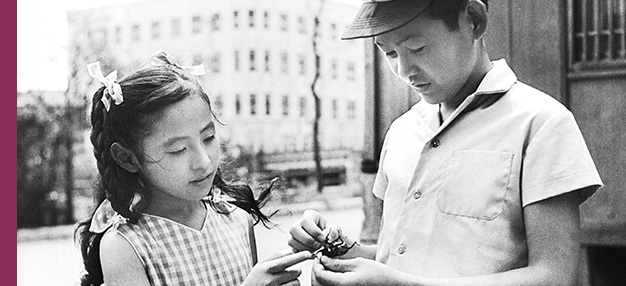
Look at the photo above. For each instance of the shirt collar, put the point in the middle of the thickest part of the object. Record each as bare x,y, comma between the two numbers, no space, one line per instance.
498,79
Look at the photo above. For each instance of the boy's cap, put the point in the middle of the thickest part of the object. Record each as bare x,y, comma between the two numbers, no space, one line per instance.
376,17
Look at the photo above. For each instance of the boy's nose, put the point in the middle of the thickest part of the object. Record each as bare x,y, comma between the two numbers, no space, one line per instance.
405,68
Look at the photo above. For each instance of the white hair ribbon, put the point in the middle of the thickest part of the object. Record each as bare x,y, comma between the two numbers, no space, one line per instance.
105,217
164,58
112,88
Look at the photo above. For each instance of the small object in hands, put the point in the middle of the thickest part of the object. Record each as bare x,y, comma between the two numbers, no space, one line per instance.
334,248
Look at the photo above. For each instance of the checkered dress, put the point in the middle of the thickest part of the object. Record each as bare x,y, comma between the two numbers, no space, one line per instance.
174,254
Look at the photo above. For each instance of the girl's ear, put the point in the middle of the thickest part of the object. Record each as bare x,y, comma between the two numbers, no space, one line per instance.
124,157
477,12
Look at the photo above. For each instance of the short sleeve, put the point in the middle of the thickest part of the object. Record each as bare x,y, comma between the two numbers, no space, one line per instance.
557,161
381,182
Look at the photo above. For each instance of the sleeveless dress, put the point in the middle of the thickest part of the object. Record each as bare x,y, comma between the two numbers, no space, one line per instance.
174,254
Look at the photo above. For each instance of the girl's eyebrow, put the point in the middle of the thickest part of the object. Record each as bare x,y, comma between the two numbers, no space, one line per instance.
209,127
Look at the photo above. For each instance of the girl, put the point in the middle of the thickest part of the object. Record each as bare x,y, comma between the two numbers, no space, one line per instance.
166,217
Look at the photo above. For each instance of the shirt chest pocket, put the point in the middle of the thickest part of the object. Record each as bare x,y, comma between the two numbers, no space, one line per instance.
475,183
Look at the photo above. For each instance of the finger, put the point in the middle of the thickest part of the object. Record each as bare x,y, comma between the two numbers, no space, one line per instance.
287,275
299,246
280,264
307,238
313,223
332,232
337,265
292,283
278,254
320,276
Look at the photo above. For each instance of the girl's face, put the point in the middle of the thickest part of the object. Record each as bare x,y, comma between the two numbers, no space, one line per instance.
181,153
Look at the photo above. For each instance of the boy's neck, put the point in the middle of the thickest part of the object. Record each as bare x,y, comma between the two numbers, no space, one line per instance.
483,65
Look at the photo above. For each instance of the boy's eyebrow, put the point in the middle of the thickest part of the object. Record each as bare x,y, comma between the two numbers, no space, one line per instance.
379,43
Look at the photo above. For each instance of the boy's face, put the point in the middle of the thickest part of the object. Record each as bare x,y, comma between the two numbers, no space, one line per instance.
435,61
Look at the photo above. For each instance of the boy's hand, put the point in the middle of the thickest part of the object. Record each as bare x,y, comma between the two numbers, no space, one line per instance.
357,271
277,270
311,232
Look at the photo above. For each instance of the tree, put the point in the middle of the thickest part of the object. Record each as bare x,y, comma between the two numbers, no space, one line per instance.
317,102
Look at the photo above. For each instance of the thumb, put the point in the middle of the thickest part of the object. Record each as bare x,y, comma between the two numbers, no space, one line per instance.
337,265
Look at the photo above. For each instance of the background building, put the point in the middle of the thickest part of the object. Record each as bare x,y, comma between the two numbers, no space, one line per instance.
260,66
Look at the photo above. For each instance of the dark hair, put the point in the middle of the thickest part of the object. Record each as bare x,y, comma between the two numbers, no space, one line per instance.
448,11
146,94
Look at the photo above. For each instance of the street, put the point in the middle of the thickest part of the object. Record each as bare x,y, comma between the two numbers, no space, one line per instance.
58,262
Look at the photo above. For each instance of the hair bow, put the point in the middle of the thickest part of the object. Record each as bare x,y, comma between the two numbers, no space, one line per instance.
112,91
164,58
105,217
221,201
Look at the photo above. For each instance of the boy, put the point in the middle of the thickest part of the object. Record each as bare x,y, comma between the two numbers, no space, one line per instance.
481,179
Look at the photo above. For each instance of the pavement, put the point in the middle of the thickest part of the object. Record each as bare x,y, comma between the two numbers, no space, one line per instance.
48,256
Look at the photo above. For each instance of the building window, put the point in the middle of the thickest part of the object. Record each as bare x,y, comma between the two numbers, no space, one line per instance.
301,25
118,35
333,69
335,106
135,33
284,23
284,62
175,25
285,105
238,104
302,64
303,107
252,104
236,60
351,109
196,25
251,19
252,61
155,30
219,104
266,20
236,19
268,104
196,59
215,22
351,71
267,61
333,31
215,62
597,34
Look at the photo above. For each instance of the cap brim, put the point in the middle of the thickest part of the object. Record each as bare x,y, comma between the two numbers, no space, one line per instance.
378,18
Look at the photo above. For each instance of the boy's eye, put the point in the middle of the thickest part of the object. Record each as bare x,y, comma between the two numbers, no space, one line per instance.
418,50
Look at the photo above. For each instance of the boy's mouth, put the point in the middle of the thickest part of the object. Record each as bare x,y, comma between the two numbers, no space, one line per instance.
420,87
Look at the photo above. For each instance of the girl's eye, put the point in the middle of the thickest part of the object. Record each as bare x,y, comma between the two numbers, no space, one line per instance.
418,50
177,152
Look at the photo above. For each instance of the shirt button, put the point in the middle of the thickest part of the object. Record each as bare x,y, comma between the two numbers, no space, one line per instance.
435,143
401,249
417,195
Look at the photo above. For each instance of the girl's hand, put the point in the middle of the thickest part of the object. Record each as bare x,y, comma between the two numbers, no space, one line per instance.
357,271
311,232
277,270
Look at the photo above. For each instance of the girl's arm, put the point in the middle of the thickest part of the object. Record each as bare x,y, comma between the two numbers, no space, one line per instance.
120,263
253,250
552,229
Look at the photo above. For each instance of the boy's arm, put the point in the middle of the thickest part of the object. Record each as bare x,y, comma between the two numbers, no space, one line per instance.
552,229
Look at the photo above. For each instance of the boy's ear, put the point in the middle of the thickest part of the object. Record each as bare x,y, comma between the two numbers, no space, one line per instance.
477,12
124,157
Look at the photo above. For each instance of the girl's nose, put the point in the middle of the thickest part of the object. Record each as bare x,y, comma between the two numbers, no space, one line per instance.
201,160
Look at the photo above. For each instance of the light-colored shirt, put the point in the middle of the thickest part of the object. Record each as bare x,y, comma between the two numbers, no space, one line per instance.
453,194
174,254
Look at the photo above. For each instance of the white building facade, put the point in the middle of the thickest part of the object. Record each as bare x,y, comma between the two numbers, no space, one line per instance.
260,65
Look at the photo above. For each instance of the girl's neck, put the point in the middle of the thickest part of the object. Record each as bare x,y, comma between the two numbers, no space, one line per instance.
189,213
